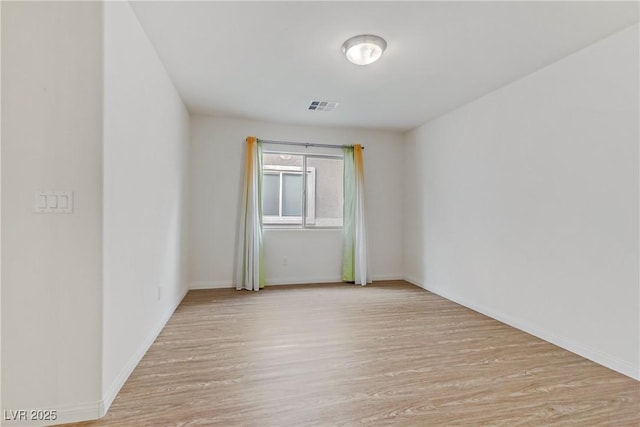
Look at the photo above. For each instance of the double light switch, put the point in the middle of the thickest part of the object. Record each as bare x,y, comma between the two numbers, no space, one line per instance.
54,201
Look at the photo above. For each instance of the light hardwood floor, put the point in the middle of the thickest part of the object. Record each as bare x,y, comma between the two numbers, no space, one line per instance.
385,354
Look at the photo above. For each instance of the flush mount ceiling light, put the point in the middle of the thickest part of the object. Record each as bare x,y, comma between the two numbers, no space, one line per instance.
364,49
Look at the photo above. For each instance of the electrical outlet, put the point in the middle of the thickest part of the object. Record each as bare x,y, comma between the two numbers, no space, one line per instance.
159,293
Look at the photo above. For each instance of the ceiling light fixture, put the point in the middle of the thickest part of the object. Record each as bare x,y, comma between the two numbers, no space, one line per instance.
364,49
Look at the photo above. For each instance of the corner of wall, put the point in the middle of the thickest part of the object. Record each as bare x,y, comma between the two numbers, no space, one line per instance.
114,388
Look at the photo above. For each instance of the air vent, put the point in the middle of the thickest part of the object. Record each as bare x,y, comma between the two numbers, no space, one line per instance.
323,106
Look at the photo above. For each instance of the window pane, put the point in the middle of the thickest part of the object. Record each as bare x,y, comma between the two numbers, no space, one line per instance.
283,197
282,208
324,192
270,194
291,194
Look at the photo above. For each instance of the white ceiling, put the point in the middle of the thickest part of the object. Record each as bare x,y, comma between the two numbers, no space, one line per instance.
268,60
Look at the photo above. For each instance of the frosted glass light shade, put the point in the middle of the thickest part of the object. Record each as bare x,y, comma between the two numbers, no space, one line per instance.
364,49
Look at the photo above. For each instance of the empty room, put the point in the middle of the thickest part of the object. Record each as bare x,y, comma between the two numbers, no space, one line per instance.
320,213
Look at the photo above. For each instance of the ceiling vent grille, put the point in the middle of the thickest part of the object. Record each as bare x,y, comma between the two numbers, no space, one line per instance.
323,106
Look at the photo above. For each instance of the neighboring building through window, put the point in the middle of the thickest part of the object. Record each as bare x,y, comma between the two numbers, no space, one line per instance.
291,199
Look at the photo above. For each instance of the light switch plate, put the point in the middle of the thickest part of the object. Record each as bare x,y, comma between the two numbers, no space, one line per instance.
54,202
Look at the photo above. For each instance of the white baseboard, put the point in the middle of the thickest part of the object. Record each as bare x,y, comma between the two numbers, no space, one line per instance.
622,366
288,281
303,280
211,285
114,389
413,280
381,277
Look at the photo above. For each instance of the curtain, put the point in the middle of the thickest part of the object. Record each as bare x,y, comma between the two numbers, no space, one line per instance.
250,266
355,257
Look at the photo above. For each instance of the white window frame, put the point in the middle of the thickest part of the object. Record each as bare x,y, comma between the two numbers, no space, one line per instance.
308,200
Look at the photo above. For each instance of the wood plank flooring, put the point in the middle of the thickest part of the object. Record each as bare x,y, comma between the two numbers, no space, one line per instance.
342,355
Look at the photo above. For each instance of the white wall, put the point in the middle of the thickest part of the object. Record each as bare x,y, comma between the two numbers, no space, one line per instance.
52,263
217,150
524,204
145,158
1,207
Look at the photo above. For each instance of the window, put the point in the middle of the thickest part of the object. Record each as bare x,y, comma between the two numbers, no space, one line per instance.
293,199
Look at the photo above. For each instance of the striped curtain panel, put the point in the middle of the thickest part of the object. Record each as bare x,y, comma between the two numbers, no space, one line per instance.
250,267
355,256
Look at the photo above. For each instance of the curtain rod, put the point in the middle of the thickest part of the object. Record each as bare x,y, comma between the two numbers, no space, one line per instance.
304,144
